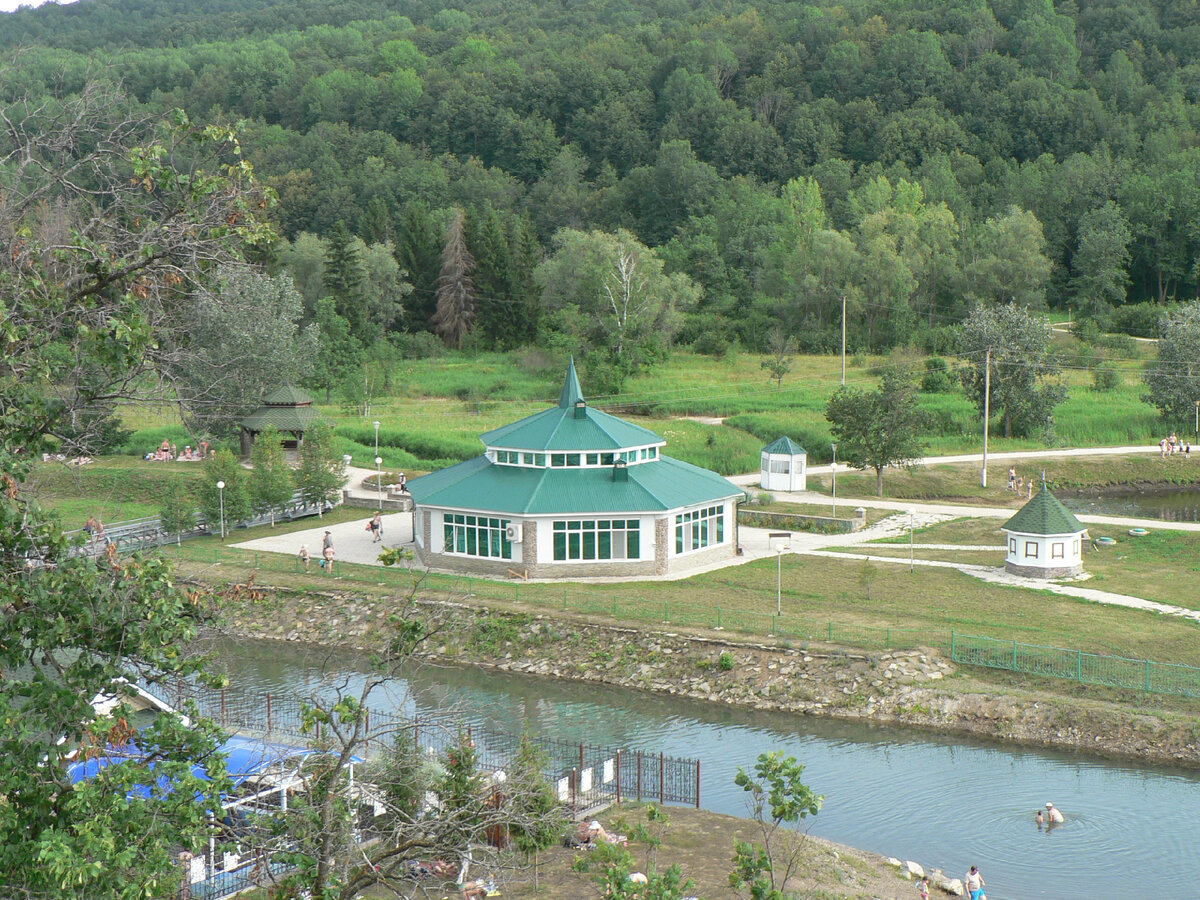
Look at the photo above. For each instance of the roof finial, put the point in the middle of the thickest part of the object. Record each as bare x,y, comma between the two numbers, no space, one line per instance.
571,392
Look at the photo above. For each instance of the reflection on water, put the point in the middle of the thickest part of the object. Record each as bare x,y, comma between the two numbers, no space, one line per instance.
899,792
1176,506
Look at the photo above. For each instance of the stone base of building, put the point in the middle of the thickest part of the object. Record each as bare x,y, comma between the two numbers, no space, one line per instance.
1042,572
505,568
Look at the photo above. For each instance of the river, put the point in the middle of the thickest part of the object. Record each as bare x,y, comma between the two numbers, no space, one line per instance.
1177,505
947,802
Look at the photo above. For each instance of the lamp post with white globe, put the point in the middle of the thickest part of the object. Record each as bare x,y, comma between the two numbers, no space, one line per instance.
221,495
379,481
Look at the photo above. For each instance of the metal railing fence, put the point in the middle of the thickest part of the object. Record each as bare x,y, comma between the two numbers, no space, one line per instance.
1076,665
585,774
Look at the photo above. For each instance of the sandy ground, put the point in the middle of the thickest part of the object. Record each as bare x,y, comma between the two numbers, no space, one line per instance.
701,843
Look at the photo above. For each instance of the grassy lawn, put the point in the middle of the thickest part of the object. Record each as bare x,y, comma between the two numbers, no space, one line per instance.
114,488
1162,566
956,531
435,408
1158,566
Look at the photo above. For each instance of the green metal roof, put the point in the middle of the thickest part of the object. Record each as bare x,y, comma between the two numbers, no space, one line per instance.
287,396
570,427
571,393
285,418
657,486
785,446
1043,515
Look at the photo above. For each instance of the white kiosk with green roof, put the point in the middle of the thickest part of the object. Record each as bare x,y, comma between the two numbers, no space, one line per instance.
573,492
783,466
1044,539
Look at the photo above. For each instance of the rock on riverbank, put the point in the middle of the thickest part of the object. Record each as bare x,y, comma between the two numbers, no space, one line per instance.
916,688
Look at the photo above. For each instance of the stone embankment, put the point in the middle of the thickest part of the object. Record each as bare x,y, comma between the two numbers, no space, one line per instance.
914,688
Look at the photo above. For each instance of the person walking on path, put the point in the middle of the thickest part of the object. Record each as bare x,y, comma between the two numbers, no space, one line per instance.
375,526
975,883
327,551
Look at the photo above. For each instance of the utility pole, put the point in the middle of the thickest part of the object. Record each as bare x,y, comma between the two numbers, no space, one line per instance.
987,396
843,340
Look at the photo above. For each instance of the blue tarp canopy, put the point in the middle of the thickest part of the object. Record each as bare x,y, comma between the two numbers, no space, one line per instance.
247,758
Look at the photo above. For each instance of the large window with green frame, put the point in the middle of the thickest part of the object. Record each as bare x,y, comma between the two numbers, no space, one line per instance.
476,536
597,539
699,528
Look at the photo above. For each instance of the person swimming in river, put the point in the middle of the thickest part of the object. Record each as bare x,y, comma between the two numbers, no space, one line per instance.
1041,820
1053,815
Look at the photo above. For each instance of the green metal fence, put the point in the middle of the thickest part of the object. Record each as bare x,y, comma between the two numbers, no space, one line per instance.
1076,665
986,652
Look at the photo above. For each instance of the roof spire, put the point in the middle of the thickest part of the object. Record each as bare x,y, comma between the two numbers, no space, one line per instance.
571,392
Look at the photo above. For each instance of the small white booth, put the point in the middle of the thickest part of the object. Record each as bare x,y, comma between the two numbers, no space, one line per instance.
784,466
1044,539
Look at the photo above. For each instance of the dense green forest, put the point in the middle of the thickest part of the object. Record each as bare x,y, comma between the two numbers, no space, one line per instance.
762,162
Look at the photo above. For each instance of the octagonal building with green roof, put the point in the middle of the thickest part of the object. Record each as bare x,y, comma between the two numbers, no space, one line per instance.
573,492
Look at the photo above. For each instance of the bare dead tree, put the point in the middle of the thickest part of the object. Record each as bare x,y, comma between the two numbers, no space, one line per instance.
455,313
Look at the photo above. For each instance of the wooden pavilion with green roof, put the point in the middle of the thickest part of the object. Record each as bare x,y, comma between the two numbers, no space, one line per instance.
287,408
573,492
1045,540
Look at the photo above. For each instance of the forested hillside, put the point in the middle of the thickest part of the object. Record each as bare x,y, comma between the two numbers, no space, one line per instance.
763,161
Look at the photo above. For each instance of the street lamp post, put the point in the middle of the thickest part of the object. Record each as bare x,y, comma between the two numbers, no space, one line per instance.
221,495
833,472
781,540
911,513
379,481
376,437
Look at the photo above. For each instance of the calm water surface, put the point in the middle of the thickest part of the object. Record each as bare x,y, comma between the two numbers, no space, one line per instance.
1176,506
1130,831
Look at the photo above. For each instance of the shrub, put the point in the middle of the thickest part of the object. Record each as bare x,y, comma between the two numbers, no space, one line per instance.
726,661
937,378
1138,319
419,345
1106,379
712,343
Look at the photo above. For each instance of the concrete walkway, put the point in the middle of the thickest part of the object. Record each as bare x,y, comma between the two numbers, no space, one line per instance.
751,479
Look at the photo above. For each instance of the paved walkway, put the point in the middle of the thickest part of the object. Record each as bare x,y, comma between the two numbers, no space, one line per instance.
351,541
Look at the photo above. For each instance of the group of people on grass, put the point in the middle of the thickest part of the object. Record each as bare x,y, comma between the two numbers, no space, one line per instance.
1171,445
1018,483
327,553
168,452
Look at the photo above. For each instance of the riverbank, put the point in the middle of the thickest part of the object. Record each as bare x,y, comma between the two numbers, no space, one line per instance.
913,688
701,844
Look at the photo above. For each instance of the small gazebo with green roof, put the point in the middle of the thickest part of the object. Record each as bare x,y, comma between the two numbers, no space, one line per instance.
290,410
573,492
784,466
1045,540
